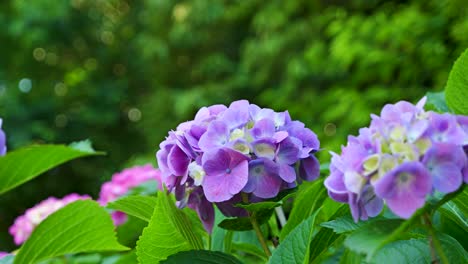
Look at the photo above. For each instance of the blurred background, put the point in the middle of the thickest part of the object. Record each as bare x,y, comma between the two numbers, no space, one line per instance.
122,73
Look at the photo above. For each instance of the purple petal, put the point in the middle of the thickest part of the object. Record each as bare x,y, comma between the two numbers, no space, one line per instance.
287,172
280,136
405,204
204,209
405,188
237,114
216,162
335,182
442,153
177,161
447,177
263,179
264,148
264,128
445,128
216,188
288,151
373,205
309,168
217,135
228,209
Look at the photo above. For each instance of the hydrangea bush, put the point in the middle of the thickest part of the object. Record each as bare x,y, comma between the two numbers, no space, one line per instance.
122,183
404,156
241,184
227,151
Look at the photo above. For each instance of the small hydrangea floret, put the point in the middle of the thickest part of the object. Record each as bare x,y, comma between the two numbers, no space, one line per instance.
25,224
226,151
404,156
121,184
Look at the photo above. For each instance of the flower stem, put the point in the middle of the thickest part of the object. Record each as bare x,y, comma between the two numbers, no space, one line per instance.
256,227
434,242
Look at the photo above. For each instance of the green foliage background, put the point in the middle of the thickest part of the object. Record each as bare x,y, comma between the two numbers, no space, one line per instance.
123,73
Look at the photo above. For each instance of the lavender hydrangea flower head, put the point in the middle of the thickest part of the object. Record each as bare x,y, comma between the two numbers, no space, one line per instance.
405,155
3,147
226,151
122,182
25,224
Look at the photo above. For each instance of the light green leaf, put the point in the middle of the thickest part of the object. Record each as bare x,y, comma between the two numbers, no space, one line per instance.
20,166
308,199
82,226
137,205
372,236
418,251
295,246
437,102
170,231
201,257
343,224
456,90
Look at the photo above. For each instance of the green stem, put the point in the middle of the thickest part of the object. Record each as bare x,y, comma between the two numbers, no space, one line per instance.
256,227
434,241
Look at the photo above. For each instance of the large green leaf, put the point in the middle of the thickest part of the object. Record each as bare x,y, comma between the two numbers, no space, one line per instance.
137,205
201,257
308,199
342,224
295,246
82,226
20,166
418,251
456,91
170,231
372,236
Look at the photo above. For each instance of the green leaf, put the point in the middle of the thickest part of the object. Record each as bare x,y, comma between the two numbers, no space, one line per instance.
250,249
437,102
308,199
343,224
169,231
82,226
456,90
372,236
295,247
137,205
201,257
325,238
418,251
243,223
20,166
404,251
453,222
461,200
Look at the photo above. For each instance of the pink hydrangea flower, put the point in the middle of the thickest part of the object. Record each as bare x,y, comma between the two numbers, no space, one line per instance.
25,224
122,182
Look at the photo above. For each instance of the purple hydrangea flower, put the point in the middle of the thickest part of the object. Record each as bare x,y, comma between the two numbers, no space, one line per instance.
3,147
401,158
226,151
122,182
25,224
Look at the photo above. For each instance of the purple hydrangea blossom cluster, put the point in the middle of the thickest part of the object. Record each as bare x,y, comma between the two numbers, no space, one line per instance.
122,182
25,224
228,150
3,147
405,155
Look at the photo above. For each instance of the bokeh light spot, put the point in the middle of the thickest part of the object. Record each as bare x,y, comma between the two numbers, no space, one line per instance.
61,120
60,89
330,129
25,85
134,114
39,54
